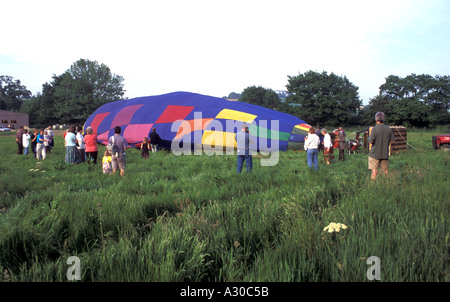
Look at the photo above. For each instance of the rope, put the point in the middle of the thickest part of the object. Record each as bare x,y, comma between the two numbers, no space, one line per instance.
408,143
402,139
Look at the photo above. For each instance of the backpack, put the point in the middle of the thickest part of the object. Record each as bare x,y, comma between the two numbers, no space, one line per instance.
112,148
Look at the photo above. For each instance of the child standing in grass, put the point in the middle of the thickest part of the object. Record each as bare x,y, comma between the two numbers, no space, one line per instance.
107,168
145,146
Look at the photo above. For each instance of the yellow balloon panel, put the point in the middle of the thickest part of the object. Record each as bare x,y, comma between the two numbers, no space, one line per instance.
229,114
303,127
219,138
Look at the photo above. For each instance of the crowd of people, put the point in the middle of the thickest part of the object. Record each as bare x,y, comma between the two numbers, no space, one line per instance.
321,141
81,148
379,141
39,142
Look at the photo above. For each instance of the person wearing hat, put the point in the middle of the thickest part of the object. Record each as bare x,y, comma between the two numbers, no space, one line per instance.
379,142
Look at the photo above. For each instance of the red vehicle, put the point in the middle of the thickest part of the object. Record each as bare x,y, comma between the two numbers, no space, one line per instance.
441,141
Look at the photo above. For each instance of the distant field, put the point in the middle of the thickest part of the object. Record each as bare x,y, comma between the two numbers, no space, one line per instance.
192,218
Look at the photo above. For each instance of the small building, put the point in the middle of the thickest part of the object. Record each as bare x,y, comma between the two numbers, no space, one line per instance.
13,120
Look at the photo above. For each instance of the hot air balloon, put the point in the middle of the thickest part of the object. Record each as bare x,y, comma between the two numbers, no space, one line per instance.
197,120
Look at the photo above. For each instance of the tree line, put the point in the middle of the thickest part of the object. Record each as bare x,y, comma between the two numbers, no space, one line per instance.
319,98
324,99
69,98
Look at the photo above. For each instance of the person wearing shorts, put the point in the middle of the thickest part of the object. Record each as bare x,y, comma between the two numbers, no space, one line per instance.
118,160
379,142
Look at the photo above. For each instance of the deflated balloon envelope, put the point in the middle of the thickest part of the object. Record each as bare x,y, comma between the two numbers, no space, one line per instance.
196,119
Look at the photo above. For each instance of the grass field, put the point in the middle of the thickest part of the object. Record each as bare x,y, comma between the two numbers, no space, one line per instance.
192,218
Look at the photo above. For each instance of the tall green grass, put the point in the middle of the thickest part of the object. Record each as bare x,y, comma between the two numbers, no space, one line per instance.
193,218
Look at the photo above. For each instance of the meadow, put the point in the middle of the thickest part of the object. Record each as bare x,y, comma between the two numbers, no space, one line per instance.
193,218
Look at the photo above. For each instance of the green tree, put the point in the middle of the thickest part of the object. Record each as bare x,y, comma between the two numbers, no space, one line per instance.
12,93
233,95
42,108
260,96
322,98
417,100
438,100
86,86
407,112
376,104
74,95
271,99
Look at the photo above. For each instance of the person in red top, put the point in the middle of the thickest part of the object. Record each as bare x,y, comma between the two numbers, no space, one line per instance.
91,145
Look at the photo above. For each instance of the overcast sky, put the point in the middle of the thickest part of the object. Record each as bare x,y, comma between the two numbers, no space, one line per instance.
217,47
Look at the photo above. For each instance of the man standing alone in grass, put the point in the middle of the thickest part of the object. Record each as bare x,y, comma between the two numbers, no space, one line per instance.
379,141
243,149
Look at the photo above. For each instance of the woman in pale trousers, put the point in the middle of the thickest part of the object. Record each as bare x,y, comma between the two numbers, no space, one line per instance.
40,147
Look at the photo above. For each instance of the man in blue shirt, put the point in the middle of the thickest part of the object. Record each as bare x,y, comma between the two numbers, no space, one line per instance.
243,149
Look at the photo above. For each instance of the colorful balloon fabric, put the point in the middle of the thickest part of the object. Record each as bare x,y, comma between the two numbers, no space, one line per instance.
197,120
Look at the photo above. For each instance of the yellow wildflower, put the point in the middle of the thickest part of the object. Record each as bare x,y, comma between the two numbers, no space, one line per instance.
335,227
